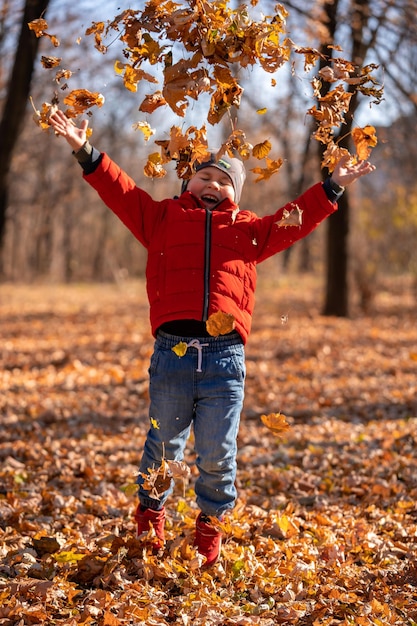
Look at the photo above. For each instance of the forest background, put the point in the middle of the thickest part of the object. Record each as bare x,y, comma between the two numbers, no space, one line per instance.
325,530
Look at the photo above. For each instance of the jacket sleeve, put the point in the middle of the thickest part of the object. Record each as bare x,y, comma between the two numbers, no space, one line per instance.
132,205
272,237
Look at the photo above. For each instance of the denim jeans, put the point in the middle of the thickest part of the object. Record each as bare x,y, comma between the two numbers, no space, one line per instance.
203,389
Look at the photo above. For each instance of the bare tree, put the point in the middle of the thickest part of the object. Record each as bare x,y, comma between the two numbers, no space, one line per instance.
13,113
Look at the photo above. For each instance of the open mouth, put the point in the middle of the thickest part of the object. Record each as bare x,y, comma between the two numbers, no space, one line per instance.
210,200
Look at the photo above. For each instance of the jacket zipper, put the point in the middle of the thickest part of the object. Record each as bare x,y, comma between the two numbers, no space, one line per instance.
207,265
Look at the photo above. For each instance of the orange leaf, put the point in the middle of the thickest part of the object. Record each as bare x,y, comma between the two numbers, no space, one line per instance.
81,99
364,139
261,150
220,323
264,173
276,422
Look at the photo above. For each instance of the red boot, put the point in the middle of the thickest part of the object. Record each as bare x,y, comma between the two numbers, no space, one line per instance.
208,539
147,518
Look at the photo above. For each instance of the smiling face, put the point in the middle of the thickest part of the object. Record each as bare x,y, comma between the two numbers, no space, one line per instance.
211,186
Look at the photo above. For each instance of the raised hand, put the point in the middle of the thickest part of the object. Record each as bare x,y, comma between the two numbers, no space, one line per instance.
74,135
346,171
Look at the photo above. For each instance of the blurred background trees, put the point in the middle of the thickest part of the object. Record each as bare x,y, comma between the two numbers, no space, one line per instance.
54,228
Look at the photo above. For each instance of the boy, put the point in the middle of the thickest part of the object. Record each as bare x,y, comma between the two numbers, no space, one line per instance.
202,257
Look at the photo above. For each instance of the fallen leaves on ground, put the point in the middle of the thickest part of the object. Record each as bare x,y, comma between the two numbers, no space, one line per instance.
325,529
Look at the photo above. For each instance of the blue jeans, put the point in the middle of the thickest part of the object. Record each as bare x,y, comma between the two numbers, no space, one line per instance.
204,389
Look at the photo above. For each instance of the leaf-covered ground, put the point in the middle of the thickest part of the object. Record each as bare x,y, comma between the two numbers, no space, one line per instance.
325,530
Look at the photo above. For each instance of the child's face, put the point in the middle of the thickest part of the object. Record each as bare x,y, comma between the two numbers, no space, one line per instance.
211,186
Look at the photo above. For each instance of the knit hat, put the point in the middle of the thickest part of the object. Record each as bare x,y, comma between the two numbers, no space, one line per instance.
234,168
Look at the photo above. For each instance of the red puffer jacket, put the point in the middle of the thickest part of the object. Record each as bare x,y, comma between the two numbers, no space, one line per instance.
201,261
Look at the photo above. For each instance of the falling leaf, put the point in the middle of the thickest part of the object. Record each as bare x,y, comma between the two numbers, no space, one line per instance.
179,469
154,423
153,167
276,422
264,173
364,139
39,27
261,150
152,102
158,480
332,155
80,100
220,323
50,62
145,129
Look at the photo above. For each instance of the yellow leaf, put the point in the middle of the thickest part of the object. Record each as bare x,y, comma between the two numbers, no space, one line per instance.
154,423
276,422
145,129
283,523
180,348
262,111
220,323
118,67
261,150
68,556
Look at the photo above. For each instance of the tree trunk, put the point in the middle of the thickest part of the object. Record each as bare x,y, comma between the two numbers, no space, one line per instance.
337,253
18,91
336,300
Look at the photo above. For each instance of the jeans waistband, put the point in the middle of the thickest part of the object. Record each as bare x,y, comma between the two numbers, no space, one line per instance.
211,344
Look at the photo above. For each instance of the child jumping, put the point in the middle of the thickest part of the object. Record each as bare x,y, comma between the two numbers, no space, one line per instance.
202,258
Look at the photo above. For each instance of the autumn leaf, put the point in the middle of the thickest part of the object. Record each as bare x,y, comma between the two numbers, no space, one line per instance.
332,155
152,102
179,469
39,27
50,62
261,150
132,75
364,139
145,129
68,556
320,509
80,100
45,545
97,29
291,218
276,422
264,173
332,107
153,167
215,40
158,480
220,323
180,348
